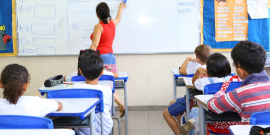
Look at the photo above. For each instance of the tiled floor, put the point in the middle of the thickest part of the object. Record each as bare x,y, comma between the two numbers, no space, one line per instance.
144,123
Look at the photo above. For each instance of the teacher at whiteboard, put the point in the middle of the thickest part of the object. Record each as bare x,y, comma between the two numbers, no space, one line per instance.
104,33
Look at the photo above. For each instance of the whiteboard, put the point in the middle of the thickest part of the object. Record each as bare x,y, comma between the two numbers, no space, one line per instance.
63,27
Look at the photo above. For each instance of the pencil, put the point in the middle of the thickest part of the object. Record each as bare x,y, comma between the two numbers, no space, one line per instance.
37,94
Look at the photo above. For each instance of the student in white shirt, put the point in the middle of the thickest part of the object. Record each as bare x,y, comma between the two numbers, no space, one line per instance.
14,81
105,72
191,64
91,67
218,70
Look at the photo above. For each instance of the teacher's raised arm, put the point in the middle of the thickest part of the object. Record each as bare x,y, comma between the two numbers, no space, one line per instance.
105,30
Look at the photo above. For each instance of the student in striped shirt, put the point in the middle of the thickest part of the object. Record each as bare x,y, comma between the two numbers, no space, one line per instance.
254,94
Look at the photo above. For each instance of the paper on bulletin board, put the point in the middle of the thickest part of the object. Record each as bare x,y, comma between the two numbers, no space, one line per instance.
231,20
258,9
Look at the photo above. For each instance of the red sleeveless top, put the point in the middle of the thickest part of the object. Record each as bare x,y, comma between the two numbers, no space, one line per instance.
106,39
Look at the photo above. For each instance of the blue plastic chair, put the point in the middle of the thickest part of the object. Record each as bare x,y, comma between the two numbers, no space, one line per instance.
24,122
190,75
260,118
79,93
215,87
81,78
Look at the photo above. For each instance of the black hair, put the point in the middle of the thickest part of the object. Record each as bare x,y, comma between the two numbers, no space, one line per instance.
13,78
103,12
86,51
91,66
218,65
250,56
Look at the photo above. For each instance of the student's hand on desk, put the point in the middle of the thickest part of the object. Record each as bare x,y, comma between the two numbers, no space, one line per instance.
202,72
60,106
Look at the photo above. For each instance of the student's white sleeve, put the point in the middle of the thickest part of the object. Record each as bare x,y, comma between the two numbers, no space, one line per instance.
192,70
200,83
44,106
69,77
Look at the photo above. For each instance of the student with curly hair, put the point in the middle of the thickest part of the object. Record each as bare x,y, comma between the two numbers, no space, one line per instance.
14,81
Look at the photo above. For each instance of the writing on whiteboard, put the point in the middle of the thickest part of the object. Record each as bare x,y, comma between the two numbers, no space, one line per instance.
186,6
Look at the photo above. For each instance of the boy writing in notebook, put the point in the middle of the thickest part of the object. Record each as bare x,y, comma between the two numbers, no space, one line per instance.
91,67
253,95
191,64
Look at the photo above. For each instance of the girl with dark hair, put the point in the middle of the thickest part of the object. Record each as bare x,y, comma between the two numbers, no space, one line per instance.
104,33
14,81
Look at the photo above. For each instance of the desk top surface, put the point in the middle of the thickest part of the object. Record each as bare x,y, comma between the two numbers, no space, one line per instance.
122,76
37,131
243,129
176,73
75,106
66,85
203,99
188,83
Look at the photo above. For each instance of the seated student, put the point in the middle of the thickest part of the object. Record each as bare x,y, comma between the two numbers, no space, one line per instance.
91,67
105,72
191,64
218,68
253,95
14,80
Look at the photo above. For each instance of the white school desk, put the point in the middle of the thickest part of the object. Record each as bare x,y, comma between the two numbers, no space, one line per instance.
44,89
243,129
36,132
188,83
79,107
202,102
123,76
176,74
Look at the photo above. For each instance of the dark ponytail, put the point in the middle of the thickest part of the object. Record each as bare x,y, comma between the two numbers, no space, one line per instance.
103,12
13,78
86,51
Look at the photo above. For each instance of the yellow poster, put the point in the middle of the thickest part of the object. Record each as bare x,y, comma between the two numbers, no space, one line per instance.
231,20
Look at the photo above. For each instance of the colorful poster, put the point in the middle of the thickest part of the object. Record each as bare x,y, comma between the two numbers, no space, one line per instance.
231,20
258,9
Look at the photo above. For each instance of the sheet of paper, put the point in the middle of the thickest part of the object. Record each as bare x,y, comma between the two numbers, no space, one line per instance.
231,20
258,9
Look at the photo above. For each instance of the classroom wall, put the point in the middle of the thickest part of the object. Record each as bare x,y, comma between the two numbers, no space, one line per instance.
150,80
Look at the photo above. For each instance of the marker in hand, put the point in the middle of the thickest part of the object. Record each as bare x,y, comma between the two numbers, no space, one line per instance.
125,1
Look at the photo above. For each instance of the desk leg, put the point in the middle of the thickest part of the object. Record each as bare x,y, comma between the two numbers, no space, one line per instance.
113,112
92,123
202,124
187,104
126,108
102,122
174,88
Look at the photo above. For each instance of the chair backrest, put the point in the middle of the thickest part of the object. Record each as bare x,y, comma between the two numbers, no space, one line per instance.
260,118
24,122
215,87
78,93
78,78
101,78
190,75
